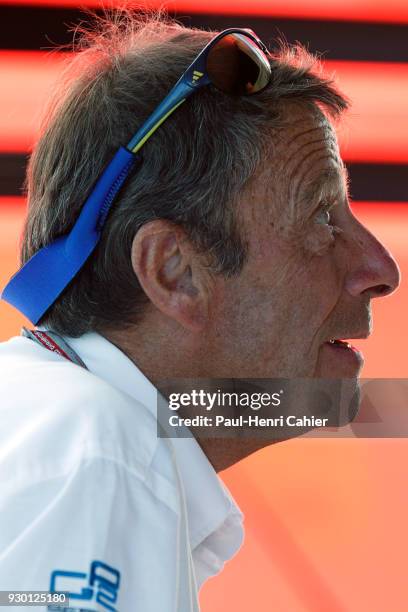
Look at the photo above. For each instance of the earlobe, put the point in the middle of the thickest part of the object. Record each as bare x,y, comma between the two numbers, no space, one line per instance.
168,269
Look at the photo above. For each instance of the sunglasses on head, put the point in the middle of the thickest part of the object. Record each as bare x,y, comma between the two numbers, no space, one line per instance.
235,62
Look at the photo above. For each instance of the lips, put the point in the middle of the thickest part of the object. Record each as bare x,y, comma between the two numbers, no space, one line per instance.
339,358
342,358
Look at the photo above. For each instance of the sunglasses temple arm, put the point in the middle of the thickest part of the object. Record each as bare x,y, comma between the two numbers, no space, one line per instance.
179,94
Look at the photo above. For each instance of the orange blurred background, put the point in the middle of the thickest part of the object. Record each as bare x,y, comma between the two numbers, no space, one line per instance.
325,518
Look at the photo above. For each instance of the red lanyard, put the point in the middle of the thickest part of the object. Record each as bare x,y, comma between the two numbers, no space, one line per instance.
54,343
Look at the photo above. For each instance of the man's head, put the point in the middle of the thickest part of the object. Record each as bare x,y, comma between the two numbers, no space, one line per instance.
221,244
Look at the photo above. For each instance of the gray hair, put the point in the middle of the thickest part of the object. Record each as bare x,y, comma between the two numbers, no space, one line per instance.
192,170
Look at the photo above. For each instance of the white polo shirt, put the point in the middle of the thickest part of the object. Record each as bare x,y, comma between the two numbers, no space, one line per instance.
92,502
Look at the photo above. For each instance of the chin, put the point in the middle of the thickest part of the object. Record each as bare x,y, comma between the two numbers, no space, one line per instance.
336,383
337,399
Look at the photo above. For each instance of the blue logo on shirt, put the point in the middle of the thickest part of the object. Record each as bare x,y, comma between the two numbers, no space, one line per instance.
100,585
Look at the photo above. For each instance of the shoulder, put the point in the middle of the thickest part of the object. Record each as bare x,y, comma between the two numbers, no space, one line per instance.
55,414
81,464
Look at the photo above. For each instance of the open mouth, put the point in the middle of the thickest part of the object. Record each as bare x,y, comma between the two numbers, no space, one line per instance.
344,344
344,355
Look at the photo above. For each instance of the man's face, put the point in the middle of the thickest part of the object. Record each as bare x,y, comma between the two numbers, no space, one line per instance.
312,268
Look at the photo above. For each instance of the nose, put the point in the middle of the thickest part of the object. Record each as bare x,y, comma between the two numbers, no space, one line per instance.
374,272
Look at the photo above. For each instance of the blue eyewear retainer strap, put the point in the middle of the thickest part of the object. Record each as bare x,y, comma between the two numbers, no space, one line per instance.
36,286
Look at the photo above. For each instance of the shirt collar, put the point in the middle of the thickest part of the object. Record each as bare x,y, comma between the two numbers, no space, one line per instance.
214,519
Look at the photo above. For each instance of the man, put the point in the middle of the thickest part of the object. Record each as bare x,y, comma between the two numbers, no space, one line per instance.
230,251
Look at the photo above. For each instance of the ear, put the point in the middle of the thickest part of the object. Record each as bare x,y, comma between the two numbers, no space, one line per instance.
172,273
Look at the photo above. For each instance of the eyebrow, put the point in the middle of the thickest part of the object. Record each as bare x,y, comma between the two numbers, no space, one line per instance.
327,183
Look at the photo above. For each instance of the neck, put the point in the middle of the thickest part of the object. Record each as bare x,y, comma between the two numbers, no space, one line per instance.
176,359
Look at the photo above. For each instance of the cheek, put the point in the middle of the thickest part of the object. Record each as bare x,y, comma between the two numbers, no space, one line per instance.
322,283
318,242
285,290
311,289
320,269
273,313
293,297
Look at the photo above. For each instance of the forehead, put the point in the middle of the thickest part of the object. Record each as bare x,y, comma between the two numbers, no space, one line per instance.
302,168
306,153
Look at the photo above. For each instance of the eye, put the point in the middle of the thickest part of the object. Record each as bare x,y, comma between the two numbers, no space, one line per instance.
323,215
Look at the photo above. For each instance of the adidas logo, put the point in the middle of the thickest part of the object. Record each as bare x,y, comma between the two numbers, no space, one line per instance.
197,75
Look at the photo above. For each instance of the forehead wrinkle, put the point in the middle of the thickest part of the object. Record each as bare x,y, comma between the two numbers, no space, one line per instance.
293,158
325,130
288,147
294,138
291,152
296,162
